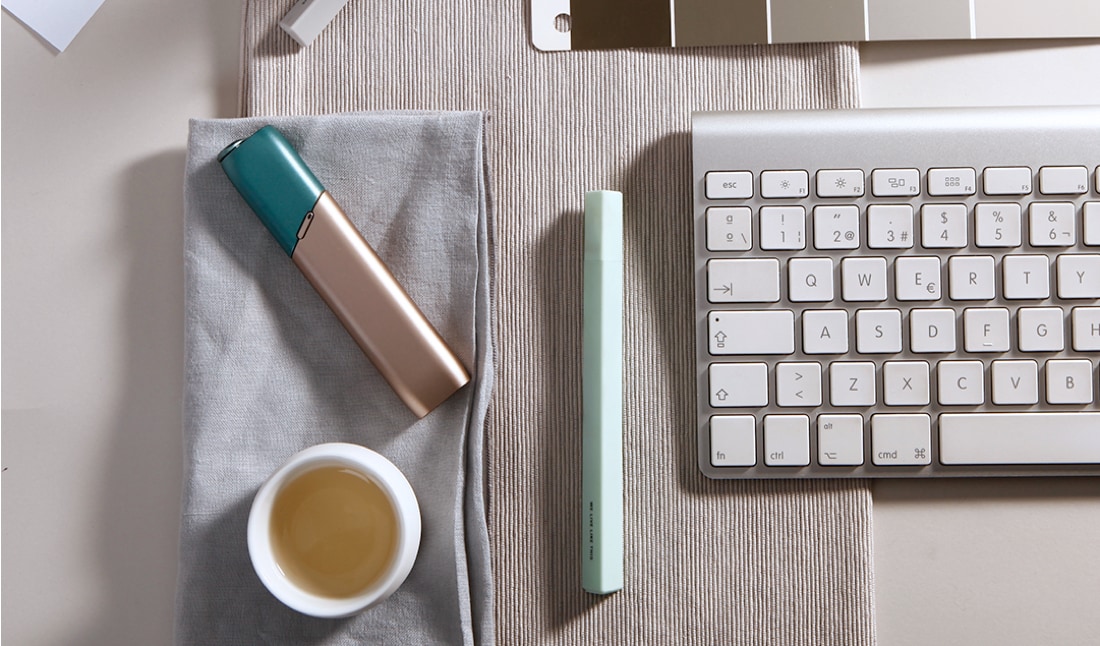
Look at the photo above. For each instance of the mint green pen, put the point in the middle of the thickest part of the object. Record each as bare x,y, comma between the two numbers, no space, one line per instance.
602,362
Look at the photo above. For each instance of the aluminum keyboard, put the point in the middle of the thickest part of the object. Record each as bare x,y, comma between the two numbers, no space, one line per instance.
897,293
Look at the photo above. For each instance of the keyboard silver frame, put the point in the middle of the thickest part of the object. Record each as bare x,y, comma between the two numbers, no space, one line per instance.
870,139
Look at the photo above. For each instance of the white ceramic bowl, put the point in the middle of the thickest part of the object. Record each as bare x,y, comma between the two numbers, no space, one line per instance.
382,472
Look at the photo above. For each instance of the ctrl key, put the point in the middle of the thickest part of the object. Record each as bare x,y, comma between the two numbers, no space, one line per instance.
786,440
733,440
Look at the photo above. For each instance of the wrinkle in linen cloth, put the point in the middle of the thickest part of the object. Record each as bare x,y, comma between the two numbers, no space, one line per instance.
706,562
271,371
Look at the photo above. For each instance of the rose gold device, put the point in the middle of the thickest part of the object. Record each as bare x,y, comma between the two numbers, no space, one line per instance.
373,307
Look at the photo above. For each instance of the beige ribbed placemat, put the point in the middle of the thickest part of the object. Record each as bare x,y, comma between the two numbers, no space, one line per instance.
706,562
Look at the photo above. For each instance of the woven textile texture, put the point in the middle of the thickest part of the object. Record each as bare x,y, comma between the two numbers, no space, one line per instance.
706,562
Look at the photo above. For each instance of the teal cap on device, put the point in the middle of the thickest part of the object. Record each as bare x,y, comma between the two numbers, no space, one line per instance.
274,181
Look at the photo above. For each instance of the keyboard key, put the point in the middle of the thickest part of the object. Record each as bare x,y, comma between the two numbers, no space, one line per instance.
951,181
878,331
1091,215
905,383
825,332
840,183
901,440
1069,381
786,440
863,279
1026,277
1040,329
782,227
997,224
985,329
891,182
972,278
743,280
890,226
1052,224
728,185
1013,180
729,228
1063,180
1020,438
961,383
733,440
1086,329
1015,382
798,384
839,440
784,183
852,383
738,385
932,330
1078,275
751,332
943,226
837,227
917,278
810,280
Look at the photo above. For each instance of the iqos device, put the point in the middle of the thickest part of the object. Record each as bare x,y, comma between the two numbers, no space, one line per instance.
314,231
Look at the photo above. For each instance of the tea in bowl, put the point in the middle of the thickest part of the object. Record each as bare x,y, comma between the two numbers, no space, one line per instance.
334,531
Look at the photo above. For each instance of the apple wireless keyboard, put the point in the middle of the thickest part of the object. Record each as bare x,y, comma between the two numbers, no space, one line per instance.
897,293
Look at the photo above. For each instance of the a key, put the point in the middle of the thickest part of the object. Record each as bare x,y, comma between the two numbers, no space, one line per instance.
786,440
729,228
878,331
738,385
917,278
798,384
932,330
825,331
890,226
951,181
810,280
901,440
1086,329
985,329
943,226
852,383
784,183
837,227
1063,180
751,332
1069,381
839,440
1039,329
1015,382
782,227
972,278
733,440
961,383
1020,438
1052,224
997,224
863,279
888,182
728,185
840,183
1078,275
1026,277
905,383
1090,213
1011,180
743,280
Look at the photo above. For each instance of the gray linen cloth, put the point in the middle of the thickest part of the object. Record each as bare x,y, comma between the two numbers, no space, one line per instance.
270,371
707,562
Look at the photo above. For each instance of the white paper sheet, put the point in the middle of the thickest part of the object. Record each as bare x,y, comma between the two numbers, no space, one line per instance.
57,21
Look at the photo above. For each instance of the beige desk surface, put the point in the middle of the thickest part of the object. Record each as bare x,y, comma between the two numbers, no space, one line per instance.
92,302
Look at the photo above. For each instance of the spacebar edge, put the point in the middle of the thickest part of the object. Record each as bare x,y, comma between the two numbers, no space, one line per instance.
1020,438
